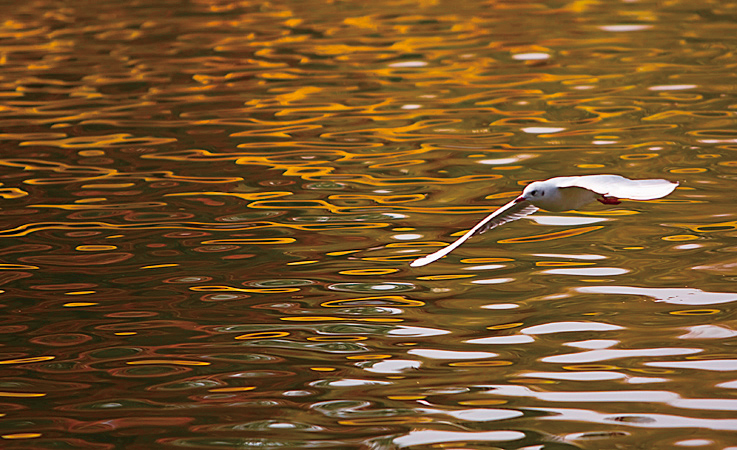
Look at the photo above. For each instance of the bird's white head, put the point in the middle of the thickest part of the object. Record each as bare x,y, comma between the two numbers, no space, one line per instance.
549,196
537,191
541,194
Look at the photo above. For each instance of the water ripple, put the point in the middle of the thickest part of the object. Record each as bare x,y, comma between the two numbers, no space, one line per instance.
208,209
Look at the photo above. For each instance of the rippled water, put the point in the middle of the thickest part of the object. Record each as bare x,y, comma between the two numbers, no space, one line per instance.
208,210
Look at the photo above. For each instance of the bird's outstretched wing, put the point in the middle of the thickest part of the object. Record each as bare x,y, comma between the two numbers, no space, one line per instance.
618,186
499,217
507,213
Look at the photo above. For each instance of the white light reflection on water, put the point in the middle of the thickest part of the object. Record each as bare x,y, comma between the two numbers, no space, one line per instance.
353,382
393,366
502,340
565,220
493,281
551,328
501,306
672,87
587,271
594,376
530,56
409,331
477,414
407,237
708,332
486,267
618,396
570,256
635,396
593,343
449,354
507,160
677,296
635,419
610,354
566,327
719,365
625,28
542,130
426,437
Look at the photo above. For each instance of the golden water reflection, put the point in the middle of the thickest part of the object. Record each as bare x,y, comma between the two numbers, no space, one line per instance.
209,209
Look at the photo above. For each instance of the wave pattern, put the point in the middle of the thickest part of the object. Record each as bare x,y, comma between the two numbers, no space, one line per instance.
208,209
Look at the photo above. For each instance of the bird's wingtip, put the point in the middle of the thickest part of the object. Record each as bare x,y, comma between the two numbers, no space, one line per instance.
419,262
673,185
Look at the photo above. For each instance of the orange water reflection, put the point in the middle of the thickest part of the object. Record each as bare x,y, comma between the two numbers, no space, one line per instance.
208,210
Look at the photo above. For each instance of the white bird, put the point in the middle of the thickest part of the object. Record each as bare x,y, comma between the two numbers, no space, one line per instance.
561,194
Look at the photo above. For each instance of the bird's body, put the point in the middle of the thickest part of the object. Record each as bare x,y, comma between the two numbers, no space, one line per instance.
561,194
562,199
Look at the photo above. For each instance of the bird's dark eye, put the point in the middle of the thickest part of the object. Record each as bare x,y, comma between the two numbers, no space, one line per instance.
534,193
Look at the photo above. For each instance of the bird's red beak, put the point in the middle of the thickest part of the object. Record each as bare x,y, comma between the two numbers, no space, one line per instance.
519,199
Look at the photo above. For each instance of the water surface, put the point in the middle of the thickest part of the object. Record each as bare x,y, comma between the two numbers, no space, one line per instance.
209,207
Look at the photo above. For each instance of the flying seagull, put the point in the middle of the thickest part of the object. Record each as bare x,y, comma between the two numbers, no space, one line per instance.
561,194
